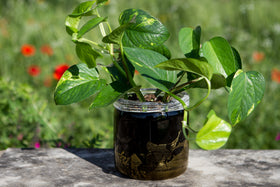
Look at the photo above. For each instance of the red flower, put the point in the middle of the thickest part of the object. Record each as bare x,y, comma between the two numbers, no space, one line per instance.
258,56
136,72
47,50
59,70
34,70
275,75
28,50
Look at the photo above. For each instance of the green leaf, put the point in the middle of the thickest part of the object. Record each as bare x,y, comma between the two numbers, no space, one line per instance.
238,62
116,35
86,54
101,2
146,31
90,25
144,61
83,8
191,65
189,41
219,54
246,93
217,81
76,84
72,24
110,94
214,134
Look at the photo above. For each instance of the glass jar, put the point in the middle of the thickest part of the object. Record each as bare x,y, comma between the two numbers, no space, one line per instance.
148,138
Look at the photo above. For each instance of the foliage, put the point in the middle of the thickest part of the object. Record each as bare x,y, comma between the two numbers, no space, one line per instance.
252,27
138,43
17,107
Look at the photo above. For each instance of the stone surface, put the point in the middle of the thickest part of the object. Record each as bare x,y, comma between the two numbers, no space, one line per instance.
95,167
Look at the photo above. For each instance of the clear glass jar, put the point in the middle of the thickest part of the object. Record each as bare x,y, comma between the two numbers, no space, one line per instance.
149,142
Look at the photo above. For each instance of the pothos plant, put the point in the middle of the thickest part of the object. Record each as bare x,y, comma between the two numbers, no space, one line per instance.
138,44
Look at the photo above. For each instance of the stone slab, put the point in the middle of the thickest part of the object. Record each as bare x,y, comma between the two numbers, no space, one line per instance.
95,167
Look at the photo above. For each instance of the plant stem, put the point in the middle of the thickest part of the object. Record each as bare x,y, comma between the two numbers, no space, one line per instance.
185,84
166,95
203,99
126,70
93,43
128,75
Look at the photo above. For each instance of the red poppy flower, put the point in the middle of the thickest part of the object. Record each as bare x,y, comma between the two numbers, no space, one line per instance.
136,72
275,75
47,50
59,70
258,56
34,70
28,50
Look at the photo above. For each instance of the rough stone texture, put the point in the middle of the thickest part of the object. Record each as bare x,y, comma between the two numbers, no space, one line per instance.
95,167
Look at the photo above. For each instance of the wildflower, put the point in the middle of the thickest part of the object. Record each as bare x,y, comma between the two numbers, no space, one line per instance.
37,145
277,138
59,70
34,70
258,56
47,50
28,50
275,75
136,72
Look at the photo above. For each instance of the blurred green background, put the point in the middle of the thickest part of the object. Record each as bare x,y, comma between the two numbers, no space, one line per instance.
29,117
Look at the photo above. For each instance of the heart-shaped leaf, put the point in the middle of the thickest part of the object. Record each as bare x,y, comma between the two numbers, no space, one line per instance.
219,54
246,93
189,41
144,61
86,54
77,83
214,134
146,31
191,65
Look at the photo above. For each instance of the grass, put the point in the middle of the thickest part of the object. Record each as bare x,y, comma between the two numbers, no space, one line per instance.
250,26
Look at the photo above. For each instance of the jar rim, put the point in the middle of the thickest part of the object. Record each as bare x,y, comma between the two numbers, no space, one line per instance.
137,106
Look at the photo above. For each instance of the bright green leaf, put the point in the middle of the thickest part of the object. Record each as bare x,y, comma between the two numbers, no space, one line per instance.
189,41
144,61
76,84
86,54
189,65
90,25
72,24
110,94
214,134
83,8
146,31
246,93
217,81
220,56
